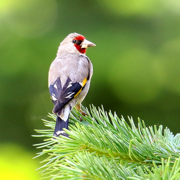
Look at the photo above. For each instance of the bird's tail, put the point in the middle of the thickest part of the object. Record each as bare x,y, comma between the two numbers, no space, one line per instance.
60,125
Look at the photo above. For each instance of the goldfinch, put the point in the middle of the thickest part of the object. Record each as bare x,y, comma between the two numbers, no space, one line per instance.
69,78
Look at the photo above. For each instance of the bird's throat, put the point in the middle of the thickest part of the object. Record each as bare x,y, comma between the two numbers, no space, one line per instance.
81,50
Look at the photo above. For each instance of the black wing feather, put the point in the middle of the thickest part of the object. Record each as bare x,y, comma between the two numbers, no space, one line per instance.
55,90
63,95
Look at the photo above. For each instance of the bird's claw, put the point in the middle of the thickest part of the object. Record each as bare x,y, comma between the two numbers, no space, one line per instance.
83,113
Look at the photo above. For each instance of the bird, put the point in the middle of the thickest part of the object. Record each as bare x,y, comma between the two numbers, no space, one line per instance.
69,79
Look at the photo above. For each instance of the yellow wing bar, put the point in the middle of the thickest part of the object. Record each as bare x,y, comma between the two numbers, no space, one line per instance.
83,84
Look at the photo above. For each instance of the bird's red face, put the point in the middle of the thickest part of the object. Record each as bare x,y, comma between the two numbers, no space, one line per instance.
77,43
82,44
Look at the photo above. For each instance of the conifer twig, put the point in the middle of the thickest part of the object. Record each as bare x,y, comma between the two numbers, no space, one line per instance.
103,146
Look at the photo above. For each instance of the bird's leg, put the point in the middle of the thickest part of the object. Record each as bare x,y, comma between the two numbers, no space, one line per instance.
79,108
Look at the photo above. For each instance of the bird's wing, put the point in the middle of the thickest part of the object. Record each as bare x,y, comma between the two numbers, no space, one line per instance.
62,95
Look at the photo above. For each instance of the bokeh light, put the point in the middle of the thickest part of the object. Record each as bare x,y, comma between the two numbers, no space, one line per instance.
131,7
30,18
17,163
137,80
170,53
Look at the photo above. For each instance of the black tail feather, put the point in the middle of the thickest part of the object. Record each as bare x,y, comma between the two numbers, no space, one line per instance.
60,125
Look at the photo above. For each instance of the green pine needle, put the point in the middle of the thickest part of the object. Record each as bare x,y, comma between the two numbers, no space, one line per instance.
104,147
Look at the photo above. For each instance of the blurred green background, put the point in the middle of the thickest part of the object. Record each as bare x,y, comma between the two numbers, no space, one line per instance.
136,66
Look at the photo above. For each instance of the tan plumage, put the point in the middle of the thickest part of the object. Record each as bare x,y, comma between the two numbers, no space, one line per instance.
69,78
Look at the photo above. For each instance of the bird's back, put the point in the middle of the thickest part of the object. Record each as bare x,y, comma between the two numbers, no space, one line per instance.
74,66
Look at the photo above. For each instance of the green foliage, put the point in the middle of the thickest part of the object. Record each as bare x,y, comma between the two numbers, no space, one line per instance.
103,147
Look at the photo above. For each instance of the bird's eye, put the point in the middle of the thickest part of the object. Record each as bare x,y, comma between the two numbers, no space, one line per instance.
74,41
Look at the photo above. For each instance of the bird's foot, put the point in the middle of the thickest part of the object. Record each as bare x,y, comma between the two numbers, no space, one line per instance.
81,111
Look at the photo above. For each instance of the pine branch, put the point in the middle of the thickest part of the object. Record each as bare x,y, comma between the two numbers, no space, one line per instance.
103,147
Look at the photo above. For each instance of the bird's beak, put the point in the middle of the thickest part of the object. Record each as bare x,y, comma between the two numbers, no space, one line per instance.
86,44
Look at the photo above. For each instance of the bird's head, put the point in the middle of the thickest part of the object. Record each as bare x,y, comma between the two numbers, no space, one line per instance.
75,43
